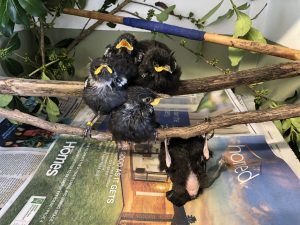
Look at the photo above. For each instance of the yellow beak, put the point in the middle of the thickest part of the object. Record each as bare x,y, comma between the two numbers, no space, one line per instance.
163,68
155,102
99,69
124,44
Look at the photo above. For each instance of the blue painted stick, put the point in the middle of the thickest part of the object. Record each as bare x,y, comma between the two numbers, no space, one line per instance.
253,46
164,28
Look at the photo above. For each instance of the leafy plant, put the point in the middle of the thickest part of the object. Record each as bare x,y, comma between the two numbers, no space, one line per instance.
243,29
49,62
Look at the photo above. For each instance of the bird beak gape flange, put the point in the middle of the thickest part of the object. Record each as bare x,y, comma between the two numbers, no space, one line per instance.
163,68
155,101
124,44
101,67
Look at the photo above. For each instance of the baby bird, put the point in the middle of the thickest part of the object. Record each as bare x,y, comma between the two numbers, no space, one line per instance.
185,164
123,55
158,69
134,121
104,89
125,47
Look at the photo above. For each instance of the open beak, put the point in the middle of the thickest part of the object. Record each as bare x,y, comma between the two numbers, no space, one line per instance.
124,44
101,67
163,68
155,101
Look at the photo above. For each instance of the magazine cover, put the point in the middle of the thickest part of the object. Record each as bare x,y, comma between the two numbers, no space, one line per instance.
89,182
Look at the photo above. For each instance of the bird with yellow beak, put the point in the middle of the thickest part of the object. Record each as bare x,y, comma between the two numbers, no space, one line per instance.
134,121
158,69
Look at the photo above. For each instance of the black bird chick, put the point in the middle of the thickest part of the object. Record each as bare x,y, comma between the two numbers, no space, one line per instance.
134,121
158,69
123,55
104,89
125,46
185,164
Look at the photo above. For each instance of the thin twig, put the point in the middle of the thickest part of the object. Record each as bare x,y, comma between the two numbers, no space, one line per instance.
42,41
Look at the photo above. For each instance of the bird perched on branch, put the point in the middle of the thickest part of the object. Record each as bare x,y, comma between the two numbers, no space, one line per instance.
125,46
158,69
104,89
134,121
185,163
123,54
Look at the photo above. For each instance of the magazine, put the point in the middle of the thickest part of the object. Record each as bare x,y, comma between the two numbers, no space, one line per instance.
22,149
89,182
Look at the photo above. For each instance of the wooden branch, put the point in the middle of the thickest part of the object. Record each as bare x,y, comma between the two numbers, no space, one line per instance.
25,87
225,120
53,127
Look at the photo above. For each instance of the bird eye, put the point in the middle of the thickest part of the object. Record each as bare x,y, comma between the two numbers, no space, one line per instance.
147,100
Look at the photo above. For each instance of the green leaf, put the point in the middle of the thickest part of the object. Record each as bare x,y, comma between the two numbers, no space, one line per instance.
14,43
111,25
243,7
255,35
164,15
64,43
278,125
81,4
13,66
286,124
71,71
17,14
69,3
210,13
6,25
52,110
292,99
107,4
227,15
17,103
5,100
296,123
235,55
44,76
242,24
34,7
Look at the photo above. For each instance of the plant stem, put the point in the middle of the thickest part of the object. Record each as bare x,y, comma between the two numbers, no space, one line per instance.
42,42
43,67
133,14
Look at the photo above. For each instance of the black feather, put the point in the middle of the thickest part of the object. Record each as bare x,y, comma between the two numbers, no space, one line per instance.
157,53
186,156
135,119
105,91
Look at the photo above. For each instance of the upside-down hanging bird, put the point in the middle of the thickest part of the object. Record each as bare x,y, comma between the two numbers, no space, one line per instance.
104,89
134,121
158,69
185,163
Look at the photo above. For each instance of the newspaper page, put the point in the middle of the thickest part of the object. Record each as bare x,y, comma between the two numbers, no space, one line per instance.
269,130
83,181
22,149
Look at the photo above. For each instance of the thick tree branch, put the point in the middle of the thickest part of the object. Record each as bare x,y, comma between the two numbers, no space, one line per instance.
25,87
225,120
